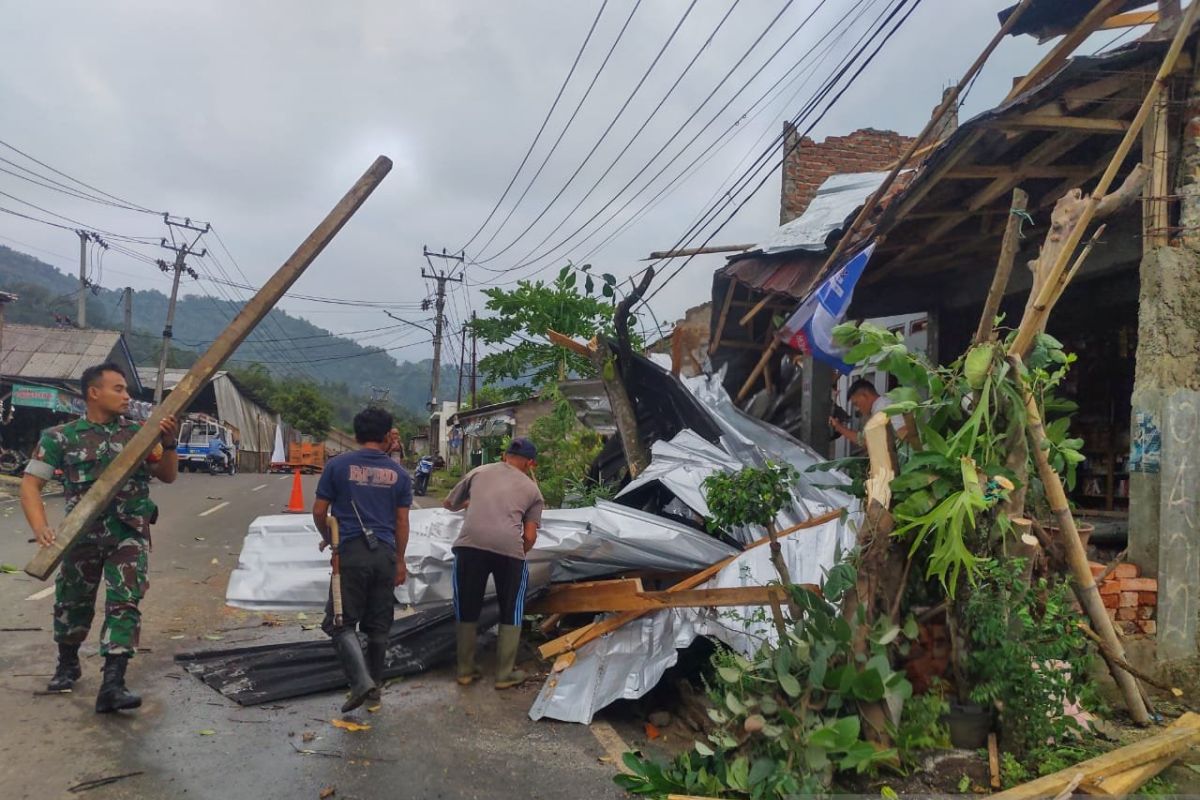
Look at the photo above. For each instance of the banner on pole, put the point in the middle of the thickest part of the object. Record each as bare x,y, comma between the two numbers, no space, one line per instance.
810,328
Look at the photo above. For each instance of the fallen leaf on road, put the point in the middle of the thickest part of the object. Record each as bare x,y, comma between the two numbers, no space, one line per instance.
199,538
652,731
302,615
374,708
207,732
9,569
178,636
213,637
328,791
349,725
311,627
307,736
215,561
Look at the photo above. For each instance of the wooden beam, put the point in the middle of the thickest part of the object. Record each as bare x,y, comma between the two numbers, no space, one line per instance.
646,602
562,340
659,255
1008,254
134,454
1155,205
993,171
577,638
721,320
1058,55
1053,122
1082,96
1131,19
1099,771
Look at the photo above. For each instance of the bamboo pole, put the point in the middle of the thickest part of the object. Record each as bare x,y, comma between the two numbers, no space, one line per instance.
1028,328
1008,254
948,101
1085,583
102,492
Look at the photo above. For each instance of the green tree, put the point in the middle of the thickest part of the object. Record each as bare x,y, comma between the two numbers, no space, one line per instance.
303,407
522,316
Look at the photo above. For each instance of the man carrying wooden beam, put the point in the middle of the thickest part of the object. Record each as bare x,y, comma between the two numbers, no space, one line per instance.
115,548
504,509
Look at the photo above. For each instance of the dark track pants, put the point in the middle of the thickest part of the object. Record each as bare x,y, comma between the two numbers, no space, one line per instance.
368,590
472,567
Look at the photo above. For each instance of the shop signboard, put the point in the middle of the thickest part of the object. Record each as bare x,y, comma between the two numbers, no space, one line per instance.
47,397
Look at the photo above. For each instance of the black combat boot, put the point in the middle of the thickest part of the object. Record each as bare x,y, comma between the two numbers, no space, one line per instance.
68,670
113,695
376,656
355,666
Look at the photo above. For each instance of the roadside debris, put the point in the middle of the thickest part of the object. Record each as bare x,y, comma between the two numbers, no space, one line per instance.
98,782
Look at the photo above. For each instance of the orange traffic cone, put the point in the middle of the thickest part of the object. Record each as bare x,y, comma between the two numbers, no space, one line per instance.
296,502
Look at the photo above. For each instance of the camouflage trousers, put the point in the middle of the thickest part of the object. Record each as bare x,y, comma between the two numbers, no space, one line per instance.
122,564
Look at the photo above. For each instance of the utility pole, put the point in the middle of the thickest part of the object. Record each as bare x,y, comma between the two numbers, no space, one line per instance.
474,363
462,355
442,278
181,252
81,306
128,311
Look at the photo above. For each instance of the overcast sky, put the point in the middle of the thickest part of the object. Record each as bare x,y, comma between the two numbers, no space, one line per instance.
258,116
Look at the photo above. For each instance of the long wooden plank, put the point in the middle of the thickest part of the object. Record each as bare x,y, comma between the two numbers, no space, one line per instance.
645,602
1107,766
113,478
1054,122
1131,19
1058,56
582,636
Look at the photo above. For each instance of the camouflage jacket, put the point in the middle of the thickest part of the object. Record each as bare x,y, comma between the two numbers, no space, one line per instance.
82,449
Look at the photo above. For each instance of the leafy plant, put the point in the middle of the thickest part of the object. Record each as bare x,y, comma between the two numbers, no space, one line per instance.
1028,657
751,496
786,720
921,727
566,451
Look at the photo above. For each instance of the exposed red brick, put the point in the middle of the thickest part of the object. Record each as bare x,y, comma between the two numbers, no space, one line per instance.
1145,612
1147,598
1127,613
1110,600
1110,587
1131,628
1139,585
1128,600
1095,568
1148,626
807,163
1125,571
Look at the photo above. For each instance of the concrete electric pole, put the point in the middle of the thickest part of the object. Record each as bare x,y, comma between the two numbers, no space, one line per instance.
128,329
181,252
81,306
442,278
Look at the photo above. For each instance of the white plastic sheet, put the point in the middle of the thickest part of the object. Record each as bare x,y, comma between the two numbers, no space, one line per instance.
281,567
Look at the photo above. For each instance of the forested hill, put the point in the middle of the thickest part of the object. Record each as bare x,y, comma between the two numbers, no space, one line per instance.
286,345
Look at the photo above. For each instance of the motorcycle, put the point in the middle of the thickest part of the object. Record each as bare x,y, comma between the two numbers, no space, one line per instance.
424,470
221,462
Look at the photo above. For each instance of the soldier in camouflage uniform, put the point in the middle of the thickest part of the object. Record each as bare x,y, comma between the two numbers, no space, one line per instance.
115,547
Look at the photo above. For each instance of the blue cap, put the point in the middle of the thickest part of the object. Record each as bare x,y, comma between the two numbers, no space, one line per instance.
522,447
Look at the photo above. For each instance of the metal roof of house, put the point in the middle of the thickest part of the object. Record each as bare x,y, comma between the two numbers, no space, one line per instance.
58,354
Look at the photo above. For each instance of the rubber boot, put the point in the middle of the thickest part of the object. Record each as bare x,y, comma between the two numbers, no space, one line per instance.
468,670
350,653
113,695
506,657
68,670
376,656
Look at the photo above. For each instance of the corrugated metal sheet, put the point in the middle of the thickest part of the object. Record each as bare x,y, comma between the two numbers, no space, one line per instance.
60,354
830,211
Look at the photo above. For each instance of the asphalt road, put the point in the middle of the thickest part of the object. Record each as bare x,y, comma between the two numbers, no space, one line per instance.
431,739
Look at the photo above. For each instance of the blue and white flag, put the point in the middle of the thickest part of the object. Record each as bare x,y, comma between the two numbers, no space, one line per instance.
810,328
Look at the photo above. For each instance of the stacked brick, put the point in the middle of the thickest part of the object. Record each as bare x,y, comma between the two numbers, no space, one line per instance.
809,163
1130,599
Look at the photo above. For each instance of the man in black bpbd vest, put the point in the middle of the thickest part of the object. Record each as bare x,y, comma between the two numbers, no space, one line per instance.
369,495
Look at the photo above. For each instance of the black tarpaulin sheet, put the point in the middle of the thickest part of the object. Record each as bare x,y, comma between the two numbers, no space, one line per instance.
266,673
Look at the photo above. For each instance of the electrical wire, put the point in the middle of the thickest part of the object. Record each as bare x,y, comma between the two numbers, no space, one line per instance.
541,129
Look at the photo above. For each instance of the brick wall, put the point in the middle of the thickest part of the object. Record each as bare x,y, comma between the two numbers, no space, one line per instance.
1131,600
809,164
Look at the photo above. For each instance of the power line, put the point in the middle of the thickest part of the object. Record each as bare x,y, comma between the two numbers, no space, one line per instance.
603,135
541,129
127,203
563,132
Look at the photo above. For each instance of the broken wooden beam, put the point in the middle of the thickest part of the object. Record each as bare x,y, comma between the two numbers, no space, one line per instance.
102,492
659,255
577,638
597,600
1053,61
1104,773
1008,254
